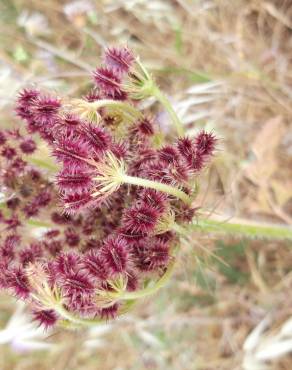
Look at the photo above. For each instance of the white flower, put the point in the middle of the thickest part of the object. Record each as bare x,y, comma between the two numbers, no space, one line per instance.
23,334
35,24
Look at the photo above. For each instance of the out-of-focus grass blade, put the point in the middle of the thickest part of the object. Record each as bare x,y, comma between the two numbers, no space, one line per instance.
206,88
194,76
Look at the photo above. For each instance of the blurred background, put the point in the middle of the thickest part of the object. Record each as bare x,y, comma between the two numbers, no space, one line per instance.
226,66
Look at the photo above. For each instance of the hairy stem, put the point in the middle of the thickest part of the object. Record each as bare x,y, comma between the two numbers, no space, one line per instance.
118,104
171,190
242,228
61,310
72,322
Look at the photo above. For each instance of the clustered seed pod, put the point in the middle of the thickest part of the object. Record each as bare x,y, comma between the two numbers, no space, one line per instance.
108,210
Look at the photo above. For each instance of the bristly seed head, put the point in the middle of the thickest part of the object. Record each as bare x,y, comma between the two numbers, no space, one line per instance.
45,318
28,146
94,264
154,199
71,150
205,143
18,282
115,254
98,139
107,80
76,202
119,58
150,255
45,110
75,179
140,219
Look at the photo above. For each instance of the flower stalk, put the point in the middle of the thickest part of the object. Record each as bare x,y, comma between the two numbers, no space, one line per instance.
142,85
73,319
238,228
112,174
168,189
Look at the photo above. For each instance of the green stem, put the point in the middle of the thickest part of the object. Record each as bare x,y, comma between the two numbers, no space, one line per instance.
165,102
157,186
243,228
149,290
61,310
115,103
37,223
72,322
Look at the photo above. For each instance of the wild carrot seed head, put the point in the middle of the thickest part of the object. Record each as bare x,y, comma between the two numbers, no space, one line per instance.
102,229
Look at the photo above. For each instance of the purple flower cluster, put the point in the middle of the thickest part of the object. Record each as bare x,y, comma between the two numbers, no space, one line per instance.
104,210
